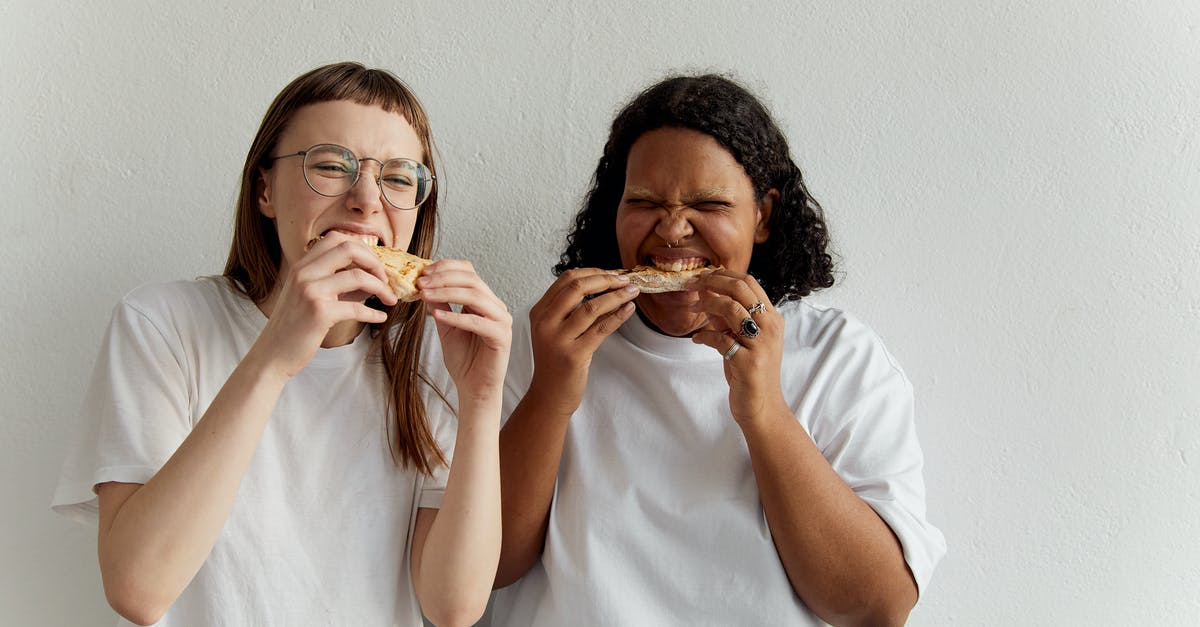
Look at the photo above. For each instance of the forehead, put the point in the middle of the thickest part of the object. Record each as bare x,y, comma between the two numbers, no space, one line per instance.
684,161
367,130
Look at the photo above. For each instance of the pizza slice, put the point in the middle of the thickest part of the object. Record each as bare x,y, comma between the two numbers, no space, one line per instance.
402,269
651,280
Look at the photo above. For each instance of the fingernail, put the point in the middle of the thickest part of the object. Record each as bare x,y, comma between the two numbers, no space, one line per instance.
632,289
622,278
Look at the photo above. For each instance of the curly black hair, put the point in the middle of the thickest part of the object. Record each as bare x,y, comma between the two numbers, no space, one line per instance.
792,263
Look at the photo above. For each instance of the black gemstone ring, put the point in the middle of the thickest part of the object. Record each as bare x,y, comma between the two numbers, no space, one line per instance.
749,328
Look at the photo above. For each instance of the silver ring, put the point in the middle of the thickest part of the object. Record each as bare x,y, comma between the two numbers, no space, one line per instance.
732,350
749,328
759,306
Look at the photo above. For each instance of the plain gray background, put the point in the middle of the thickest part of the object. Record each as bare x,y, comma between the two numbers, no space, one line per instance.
1012,188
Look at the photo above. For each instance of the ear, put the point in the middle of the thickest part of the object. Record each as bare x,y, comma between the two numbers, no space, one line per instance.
762,230
262,189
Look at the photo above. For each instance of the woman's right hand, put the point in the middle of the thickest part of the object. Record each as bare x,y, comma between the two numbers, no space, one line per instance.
567,328
154,538
327,286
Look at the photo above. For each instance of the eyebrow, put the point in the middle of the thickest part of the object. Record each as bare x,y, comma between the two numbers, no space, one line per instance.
711,193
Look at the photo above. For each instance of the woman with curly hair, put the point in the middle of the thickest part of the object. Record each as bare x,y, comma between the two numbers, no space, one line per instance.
731,454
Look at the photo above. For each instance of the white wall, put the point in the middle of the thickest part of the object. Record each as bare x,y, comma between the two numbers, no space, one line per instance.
1013,189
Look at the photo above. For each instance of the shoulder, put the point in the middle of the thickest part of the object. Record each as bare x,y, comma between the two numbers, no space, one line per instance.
198,309
182,296
838,338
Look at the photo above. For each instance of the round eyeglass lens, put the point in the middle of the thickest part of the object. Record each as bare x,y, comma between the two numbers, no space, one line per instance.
405,183
330,170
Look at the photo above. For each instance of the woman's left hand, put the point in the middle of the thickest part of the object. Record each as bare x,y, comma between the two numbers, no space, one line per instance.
747,330
475,340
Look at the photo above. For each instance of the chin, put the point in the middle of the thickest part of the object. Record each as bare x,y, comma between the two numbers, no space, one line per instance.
669,313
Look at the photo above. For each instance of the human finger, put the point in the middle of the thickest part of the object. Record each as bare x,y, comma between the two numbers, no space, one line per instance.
362,313
724,312
736,286
472,299
494,333
721,341
437,276
591,311
459,283
356,284
604,325
574,286
336,252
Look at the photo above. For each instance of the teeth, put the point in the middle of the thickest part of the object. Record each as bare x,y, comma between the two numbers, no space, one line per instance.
677,265
369,240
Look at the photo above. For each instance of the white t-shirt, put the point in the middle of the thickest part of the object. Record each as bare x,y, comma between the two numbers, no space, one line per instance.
656,518
319,532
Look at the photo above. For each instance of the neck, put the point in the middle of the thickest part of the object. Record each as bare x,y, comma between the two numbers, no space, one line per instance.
342,333
654,327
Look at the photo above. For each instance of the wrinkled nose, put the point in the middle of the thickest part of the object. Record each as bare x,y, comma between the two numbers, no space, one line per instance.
673,226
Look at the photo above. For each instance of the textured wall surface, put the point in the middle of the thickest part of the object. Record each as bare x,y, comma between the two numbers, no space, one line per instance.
1013,190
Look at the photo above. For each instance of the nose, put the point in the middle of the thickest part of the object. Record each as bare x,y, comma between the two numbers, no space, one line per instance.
673,225
366,195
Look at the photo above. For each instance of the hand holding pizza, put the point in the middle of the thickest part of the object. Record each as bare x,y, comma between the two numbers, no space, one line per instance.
579,310
748,332
325,287
475,340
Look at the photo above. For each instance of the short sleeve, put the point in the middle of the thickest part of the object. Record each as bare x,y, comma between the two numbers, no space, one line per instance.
135,412
870,439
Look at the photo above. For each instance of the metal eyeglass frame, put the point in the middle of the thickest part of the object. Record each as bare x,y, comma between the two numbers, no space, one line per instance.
358,161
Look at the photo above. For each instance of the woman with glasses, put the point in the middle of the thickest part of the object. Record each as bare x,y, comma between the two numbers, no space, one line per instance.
286,443
728,454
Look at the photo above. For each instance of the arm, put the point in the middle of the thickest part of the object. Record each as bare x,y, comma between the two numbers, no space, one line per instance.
154,537
566,330
840,557
455,548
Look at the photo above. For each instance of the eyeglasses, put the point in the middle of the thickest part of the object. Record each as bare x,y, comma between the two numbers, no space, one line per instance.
332,170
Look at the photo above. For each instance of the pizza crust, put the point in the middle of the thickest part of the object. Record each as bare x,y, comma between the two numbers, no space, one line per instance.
651,280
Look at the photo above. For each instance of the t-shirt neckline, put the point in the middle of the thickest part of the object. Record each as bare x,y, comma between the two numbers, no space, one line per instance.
336,357
637,332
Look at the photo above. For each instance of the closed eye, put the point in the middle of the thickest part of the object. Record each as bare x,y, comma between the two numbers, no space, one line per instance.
640,203
398,182
330,168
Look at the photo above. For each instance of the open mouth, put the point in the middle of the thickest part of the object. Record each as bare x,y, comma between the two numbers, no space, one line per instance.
676,265
368,239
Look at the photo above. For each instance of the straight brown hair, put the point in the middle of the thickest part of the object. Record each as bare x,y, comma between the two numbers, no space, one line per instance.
255,254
